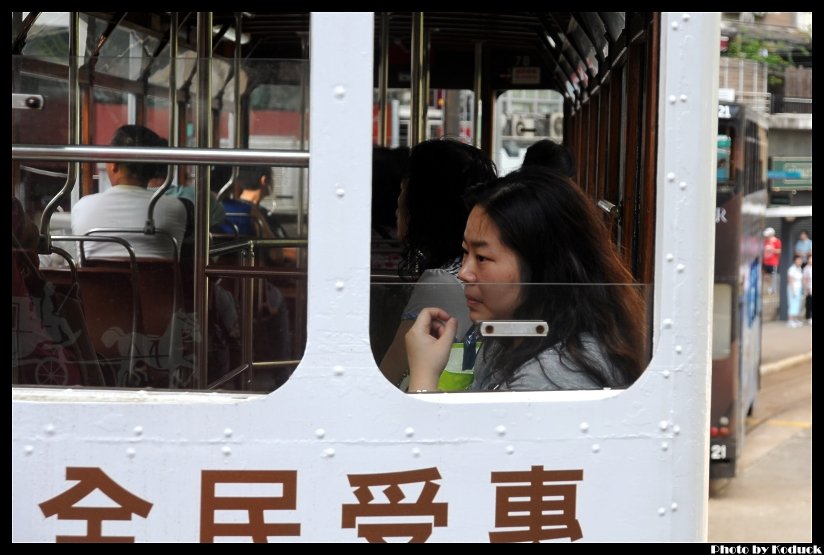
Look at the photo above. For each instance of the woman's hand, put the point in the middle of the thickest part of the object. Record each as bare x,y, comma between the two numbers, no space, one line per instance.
427,347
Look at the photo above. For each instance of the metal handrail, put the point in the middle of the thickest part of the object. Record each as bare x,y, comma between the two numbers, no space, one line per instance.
250,243
89,153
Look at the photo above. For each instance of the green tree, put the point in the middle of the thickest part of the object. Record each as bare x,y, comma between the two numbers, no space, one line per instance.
761,50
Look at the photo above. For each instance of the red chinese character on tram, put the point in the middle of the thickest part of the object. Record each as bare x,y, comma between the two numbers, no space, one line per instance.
541,506
89,480
235,497
423,510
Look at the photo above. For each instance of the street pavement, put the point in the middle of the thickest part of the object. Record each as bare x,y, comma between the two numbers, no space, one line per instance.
770,499
783,346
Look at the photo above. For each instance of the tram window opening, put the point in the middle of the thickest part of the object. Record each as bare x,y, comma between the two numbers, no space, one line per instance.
449,114
524,117
721,320
272,309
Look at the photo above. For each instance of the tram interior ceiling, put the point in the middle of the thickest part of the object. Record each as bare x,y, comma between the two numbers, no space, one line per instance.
574,51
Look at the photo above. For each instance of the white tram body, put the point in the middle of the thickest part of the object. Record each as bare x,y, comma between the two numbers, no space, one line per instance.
338,453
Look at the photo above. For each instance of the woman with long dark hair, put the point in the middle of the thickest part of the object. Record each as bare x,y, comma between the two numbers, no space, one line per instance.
431,209
535,226
431,218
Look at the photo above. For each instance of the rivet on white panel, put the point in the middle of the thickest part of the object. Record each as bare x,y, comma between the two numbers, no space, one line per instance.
130,452
340,91
416,452
227,432
409,431
670,257
584,427
666,373
328,453
500,430
682,98
226,450
685,17
663,425
339,285
664,446
675,26
683,185
674,506
337,370
510,449
320,433
670,176
28,449
340,192
667,323
672,99
676,429
138,430
662,511
49,429
596,448
679,349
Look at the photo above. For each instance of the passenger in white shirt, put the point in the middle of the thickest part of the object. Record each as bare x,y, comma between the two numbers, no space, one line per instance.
125,205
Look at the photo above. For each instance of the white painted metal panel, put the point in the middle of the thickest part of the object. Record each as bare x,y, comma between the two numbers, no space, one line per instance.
641,453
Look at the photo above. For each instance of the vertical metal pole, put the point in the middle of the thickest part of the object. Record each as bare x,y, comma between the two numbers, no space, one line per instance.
247,311
383,78
477,83
74,96
44,242
173,124
17,189
425,87
203,123
236,88
304,101
416,81
174,120
248,286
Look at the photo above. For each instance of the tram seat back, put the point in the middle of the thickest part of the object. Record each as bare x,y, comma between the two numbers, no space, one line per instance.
113,317
158,288
67,291
50,341
165,342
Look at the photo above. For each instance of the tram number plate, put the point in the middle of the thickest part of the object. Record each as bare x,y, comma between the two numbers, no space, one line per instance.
724,111
718,452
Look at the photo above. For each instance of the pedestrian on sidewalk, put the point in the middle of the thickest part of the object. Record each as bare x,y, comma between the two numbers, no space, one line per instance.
794,293
803,247
772,254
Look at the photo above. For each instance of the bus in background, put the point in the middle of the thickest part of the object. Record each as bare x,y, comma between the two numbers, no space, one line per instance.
741,201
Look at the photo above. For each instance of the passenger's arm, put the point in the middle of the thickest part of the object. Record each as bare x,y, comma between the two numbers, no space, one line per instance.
427,345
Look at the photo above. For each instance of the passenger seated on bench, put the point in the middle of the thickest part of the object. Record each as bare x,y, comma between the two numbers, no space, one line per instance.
125,205
187,194
250,218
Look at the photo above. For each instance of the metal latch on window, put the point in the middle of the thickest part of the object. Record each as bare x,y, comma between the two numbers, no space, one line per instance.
514,328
